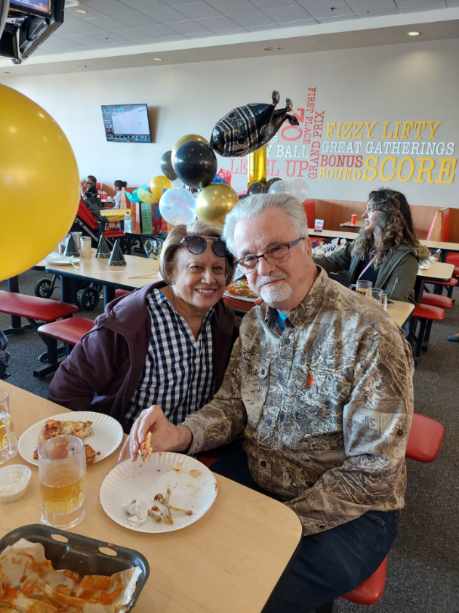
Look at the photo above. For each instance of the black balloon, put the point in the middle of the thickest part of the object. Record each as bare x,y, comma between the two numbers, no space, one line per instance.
195,163
260,187
166,166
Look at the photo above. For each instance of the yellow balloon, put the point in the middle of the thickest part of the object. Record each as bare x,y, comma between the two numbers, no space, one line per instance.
257,166
160,182
39,183
184,139
214,202
147,196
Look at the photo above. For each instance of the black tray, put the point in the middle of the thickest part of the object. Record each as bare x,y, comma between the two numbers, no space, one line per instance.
81,553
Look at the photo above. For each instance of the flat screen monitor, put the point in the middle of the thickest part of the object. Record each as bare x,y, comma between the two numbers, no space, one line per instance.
36,7
126,123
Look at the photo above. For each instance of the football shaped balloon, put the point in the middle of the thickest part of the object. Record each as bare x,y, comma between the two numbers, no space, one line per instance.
246,128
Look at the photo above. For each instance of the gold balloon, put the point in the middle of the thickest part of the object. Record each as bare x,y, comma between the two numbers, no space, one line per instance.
257,166
214,202
158,185
184,139
39,183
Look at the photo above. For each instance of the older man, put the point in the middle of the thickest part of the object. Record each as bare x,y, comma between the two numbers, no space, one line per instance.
320,386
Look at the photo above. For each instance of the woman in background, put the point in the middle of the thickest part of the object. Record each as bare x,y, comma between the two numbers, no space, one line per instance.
386,249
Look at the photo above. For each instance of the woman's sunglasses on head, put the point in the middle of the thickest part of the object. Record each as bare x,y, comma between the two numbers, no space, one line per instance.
196,244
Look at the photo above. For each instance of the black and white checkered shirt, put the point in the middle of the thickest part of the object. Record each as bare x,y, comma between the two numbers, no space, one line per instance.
178,372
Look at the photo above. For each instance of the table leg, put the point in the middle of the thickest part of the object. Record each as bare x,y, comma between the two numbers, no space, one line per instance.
13,286
109,294
68,289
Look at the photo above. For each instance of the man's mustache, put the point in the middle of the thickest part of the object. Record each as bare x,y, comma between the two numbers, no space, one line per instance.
269,278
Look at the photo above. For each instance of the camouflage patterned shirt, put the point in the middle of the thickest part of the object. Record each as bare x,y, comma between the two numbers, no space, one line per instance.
325,406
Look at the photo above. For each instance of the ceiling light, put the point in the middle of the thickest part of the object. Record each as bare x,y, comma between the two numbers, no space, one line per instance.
414,33
157,59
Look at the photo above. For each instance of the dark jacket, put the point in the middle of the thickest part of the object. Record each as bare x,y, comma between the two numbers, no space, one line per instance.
104,368
396,273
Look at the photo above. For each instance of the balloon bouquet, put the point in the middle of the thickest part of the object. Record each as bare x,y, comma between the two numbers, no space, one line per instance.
243,131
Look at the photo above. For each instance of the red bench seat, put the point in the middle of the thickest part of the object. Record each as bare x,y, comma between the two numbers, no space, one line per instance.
69,331
32,307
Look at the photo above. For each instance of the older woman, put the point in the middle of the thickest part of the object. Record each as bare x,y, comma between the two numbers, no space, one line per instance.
168,343
385,251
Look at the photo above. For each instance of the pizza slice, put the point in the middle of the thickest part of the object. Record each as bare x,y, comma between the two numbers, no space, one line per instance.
56,427
146,448
81,429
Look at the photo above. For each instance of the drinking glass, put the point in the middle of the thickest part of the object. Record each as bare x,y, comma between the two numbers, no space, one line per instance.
85,247
8,439
364,287
61,472
380,296
319,225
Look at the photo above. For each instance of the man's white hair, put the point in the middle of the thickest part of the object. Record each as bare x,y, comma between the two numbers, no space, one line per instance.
254,205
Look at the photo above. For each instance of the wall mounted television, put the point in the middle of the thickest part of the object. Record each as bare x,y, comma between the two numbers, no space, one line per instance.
126,123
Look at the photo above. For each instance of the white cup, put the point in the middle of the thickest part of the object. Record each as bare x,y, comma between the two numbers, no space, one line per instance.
318,225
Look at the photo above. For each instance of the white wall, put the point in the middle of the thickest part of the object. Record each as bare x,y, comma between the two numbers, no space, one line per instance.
410,81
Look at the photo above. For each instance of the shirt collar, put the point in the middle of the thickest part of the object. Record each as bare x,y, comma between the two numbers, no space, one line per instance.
306,310
160,299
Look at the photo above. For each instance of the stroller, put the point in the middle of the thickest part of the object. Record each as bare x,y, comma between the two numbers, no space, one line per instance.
90,225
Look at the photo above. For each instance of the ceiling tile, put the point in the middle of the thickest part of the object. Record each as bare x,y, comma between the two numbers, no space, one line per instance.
196,10
221,25
327,10
419,5
286,12
160,11
190,27
365,8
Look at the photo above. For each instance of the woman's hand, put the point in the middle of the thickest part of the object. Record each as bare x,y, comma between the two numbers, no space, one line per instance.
164,435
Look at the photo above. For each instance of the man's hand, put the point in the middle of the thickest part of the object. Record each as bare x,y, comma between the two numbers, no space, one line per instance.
164,435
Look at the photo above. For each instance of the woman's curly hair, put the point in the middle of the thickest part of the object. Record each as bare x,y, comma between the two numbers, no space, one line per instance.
394,220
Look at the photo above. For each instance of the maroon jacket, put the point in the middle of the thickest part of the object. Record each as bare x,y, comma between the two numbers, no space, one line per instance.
105,367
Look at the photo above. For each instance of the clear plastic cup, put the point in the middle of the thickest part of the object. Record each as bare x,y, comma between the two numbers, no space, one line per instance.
62,472
8,439
380,296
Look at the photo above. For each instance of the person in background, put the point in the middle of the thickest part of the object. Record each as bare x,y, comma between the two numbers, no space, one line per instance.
90,187
90,196
120,193
385,251
319,385
168,343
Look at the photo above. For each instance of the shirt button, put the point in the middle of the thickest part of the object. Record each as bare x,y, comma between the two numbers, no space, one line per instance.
400,432
263,372
263,464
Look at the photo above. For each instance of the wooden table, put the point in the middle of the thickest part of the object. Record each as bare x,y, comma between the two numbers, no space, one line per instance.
437,270
138,272
352,226
229,561
399,311
444,246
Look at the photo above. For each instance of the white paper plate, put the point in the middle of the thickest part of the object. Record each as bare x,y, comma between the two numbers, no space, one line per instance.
106,438
193,486
62,260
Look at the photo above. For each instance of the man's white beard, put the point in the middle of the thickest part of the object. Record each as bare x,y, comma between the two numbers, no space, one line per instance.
276,294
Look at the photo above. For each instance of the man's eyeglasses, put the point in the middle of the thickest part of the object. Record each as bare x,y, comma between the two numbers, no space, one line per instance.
275,253
196,244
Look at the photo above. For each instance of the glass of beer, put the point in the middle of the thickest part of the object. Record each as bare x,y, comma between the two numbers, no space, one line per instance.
61,472
364,287
8,440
